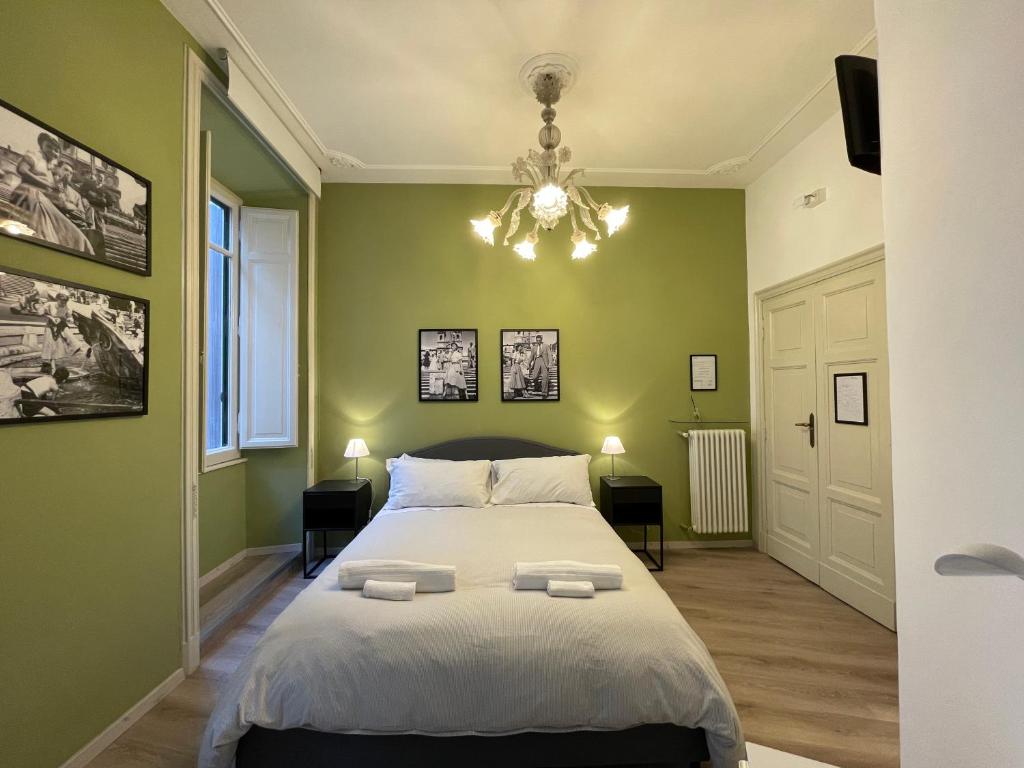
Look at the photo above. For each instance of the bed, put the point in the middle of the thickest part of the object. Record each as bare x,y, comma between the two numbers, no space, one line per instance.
484,675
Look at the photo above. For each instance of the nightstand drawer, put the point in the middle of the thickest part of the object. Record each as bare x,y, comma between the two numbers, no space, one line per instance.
636,514
328,501
637,495
338,517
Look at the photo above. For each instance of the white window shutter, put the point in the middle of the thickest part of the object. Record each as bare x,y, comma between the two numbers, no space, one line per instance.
269,329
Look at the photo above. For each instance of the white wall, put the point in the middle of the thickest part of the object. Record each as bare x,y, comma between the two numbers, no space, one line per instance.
784,242
952,100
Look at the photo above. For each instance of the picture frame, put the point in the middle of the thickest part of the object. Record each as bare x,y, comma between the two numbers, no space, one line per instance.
449,365
704,373
83,356
63,195
530,365
850,398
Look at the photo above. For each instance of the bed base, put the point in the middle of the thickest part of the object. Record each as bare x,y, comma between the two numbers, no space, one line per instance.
669,746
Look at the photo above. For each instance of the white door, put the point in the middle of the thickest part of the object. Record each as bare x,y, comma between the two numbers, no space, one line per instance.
854,462
828,487
791,498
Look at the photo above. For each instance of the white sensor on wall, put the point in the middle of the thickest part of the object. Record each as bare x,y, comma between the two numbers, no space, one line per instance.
811,199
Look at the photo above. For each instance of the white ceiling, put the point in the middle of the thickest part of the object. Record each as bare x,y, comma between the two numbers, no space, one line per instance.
428,91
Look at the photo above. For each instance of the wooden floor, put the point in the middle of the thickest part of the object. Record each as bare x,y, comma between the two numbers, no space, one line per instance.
809,674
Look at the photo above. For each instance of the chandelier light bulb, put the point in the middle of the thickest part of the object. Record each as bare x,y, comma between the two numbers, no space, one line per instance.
485,227
550,203
543,190
583,246
613,218
525,247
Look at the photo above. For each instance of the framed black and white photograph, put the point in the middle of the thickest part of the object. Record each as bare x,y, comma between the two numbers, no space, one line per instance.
56,192
530,365
448,364
703,373
70,351
850,391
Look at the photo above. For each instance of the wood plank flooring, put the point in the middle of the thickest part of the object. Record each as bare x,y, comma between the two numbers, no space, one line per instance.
237,587
809,674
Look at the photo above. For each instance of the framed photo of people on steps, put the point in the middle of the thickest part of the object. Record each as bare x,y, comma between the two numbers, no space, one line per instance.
448,363
70,351
530,365
56,192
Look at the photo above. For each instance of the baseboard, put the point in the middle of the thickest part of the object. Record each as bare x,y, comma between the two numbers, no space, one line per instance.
232,561
273,549
88,753
652,544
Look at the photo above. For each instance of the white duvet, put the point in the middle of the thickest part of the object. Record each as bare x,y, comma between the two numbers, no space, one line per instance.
484,659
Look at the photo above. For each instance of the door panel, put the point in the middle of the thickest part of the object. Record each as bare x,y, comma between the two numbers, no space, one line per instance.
854,465
793,535
829,508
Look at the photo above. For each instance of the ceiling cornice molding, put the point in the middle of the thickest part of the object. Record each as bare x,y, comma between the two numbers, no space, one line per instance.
212,27
215,25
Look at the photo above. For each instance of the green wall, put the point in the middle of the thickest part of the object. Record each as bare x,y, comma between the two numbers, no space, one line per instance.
396,258
221,515
90,511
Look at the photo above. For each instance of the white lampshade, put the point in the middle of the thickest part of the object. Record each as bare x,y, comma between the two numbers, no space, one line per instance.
612,445
356,448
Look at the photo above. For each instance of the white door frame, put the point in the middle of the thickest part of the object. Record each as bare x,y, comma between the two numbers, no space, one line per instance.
198,75
759,425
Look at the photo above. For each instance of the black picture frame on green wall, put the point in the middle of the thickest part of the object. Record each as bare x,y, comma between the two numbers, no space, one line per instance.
70,351
58,193
449,365
531,365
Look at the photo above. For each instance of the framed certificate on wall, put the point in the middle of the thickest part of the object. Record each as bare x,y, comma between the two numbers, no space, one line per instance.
703,373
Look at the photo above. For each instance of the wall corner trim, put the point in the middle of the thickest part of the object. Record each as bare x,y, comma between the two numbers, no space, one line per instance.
88,753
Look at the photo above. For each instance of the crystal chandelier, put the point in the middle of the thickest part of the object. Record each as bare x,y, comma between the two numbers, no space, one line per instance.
548,198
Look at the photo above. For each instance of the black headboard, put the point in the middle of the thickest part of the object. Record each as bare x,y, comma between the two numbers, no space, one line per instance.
492,448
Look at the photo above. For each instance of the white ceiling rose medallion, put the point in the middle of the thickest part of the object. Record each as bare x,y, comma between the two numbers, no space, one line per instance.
548,77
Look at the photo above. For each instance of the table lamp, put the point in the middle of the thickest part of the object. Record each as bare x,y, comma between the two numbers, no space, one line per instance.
612,445
356,447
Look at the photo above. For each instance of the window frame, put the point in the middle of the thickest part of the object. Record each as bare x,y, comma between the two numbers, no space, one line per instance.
230,454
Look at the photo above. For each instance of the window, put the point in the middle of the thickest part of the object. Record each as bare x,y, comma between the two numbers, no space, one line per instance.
221,341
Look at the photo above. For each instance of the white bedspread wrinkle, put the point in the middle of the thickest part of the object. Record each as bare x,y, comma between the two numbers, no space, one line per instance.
485,659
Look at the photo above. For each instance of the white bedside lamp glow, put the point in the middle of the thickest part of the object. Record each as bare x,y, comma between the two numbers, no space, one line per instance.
612,446
356,447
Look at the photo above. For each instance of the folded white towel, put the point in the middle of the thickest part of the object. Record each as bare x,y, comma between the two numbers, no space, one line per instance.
428,577
537,575
389,590
570,588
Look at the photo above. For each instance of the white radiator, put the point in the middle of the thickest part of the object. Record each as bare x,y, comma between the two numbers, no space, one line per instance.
718,480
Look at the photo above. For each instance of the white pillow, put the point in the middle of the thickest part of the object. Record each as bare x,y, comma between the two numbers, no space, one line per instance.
438,483
553,478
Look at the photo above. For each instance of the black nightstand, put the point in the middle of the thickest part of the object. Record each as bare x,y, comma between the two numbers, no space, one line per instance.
333,505
635,500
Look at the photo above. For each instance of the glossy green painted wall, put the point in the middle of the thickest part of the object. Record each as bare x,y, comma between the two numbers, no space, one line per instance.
90,511
393,259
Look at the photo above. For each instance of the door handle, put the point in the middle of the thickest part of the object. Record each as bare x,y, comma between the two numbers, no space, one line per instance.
981,560
810,425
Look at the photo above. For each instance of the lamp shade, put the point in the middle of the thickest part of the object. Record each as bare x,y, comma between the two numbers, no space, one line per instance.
612,445
356,448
